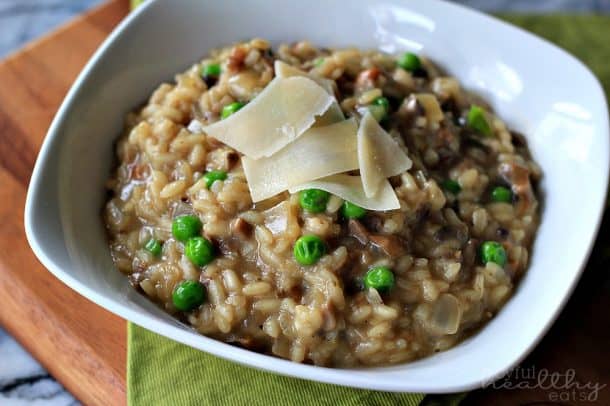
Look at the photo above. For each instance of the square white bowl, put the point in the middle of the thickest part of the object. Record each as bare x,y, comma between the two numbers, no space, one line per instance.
537,88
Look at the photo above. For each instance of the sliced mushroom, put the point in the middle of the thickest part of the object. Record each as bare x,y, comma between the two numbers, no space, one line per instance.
518,177
249,343
241,228
390,244
358,231
518,139
469,253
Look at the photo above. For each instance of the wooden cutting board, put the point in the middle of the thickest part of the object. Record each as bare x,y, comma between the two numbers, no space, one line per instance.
79,343
84,346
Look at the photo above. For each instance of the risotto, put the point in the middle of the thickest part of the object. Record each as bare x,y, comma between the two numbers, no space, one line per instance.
367,260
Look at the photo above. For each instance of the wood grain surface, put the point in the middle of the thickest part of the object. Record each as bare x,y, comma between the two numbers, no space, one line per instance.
79,343
84,346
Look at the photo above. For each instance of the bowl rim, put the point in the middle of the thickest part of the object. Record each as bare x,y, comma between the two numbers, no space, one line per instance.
280,366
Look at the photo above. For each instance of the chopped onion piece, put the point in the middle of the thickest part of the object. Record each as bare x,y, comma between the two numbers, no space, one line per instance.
277,217
280,114
429,103
379,155
195,126
350,188
373,297
446,88
446,315
320,152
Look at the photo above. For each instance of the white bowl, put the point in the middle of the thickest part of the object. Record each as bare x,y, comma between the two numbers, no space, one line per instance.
537,88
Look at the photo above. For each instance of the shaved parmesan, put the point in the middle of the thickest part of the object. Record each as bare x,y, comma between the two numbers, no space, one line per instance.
320,152
283,70
281,113
334,114
379,155
429,103
350,188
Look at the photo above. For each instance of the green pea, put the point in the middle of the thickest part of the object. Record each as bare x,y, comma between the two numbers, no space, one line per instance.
477,121
318,62
308,249
188,295
211,70
154,247
230,109
492,251
352,211
382,101
314,200
501,194
212,176
199,250
185,227
452,186
380,278
409,61
385,104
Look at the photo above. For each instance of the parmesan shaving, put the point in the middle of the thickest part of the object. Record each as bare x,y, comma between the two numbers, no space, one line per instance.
283,70
350,188
280,114
379,155
320,152
334,114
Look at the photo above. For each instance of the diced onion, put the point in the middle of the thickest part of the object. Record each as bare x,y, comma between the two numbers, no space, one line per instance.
429,103
446,315
446,88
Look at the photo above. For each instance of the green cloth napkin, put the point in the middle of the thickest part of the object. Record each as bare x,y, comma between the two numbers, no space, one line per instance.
163,372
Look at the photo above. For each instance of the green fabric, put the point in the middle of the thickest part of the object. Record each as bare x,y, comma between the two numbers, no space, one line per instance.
587,37
163,372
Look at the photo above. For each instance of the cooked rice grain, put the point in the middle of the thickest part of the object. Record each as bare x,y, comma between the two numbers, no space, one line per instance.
258,296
